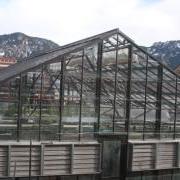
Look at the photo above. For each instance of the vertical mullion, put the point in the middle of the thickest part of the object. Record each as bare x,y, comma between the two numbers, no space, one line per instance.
158,101
9,161
124,144
115,84
128,91
81,91
98,83
72,159
19,107
145,98
42,147
102,158
175,110
30,158
40,104
61,98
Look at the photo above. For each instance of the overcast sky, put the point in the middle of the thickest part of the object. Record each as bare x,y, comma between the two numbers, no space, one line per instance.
64,21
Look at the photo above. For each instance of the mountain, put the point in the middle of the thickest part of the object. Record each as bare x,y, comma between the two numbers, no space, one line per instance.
167,52
20,45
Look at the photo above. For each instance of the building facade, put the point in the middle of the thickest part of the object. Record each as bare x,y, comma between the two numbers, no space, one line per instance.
6,61
114,113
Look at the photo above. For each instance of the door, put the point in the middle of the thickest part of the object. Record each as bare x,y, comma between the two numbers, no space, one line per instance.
111,159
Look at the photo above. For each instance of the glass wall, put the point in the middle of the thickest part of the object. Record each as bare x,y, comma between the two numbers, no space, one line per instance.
71,96
154,99
88,93
109,86
157,176
107,90
9,103
168,105
138,94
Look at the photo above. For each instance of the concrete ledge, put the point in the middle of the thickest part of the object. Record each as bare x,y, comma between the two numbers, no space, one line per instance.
153,155
20,159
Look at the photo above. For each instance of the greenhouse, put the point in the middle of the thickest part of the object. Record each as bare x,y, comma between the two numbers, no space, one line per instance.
98,108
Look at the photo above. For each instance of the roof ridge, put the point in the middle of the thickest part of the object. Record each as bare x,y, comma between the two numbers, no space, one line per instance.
38,60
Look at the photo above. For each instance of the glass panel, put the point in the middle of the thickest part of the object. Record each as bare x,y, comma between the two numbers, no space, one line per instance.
72,90
107,90
69,178
165,177
50,101
86,177
89,116
178,110
168,104
31,90
121,81
9,109
151,99
176,176
138,85
149,177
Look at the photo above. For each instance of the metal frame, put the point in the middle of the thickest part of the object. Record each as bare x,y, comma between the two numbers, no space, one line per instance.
125,94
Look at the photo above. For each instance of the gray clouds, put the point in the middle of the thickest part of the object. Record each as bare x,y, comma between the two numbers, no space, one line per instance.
64,21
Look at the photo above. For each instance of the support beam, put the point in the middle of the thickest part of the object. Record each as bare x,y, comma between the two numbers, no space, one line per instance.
123,160
72,159
175,109
81,92
158,101
9,161
40,104
19,107
30,158
124,144
98,83
128,91
115,85
145,98
42,159
61,98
